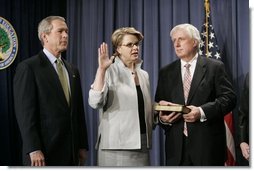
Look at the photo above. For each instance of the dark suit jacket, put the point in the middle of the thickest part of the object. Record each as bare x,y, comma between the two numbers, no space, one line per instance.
243,112
45,120
212,91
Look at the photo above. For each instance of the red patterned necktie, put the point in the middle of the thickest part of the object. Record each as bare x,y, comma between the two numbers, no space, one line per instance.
186,88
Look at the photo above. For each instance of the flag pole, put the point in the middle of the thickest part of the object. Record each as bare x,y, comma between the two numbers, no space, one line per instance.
207,13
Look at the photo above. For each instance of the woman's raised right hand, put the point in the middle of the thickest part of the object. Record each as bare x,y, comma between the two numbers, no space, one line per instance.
103,57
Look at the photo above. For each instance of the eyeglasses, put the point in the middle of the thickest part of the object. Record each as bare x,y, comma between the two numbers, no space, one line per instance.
130,45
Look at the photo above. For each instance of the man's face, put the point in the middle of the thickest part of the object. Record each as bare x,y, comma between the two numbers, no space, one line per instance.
57,40
185,46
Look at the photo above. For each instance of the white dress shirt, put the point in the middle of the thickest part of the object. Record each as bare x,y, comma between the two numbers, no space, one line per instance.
193,63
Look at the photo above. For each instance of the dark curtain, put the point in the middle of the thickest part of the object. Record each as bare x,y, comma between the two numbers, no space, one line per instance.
24,15
93,21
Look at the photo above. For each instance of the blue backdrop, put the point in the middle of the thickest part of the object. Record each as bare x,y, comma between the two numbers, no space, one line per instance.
92,21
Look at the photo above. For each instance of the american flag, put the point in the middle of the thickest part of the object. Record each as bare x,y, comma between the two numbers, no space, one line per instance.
210,49
208,44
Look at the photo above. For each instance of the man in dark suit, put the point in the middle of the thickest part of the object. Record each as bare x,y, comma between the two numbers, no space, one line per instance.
197,138
243,118
49,103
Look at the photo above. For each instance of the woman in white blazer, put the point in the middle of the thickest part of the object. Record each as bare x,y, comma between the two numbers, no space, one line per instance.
121,92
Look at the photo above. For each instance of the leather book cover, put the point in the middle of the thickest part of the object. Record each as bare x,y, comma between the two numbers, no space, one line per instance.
172,108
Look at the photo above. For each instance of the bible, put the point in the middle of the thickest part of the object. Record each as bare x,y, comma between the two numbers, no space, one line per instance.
172,108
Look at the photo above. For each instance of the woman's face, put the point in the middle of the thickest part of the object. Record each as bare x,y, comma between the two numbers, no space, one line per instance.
129,49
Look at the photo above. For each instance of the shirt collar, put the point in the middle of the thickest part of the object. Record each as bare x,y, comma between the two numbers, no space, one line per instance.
50,56
192,61
120,62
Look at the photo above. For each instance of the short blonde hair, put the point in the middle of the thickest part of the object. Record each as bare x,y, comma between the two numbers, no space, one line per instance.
45,26
117,36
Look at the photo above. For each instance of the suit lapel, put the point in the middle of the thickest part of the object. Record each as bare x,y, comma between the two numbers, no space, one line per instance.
48,70
197,77
176,83
178,79
52,77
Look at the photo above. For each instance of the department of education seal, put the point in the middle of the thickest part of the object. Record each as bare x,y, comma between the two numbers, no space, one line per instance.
8,44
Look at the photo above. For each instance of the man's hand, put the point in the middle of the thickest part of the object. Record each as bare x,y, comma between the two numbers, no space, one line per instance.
169,118
166,103
37,158
82,157
245,150
193,116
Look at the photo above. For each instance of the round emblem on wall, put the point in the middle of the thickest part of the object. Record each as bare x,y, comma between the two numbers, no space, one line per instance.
8,44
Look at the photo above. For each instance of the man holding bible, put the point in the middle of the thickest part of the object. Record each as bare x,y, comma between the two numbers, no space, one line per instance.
197,138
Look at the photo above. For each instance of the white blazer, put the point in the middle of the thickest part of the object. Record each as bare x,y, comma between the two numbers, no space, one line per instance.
118,108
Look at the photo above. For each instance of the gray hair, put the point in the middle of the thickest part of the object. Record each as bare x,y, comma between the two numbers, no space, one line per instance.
45,26
191,30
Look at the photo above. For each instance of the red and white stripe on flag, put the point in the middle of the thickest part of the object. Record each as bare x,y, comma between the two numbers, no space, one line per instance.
210,49
228,120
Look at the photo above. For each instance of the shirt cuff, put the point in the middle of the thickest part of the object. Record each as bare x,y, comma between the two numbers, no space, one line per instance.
34,152
103,88
203,117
